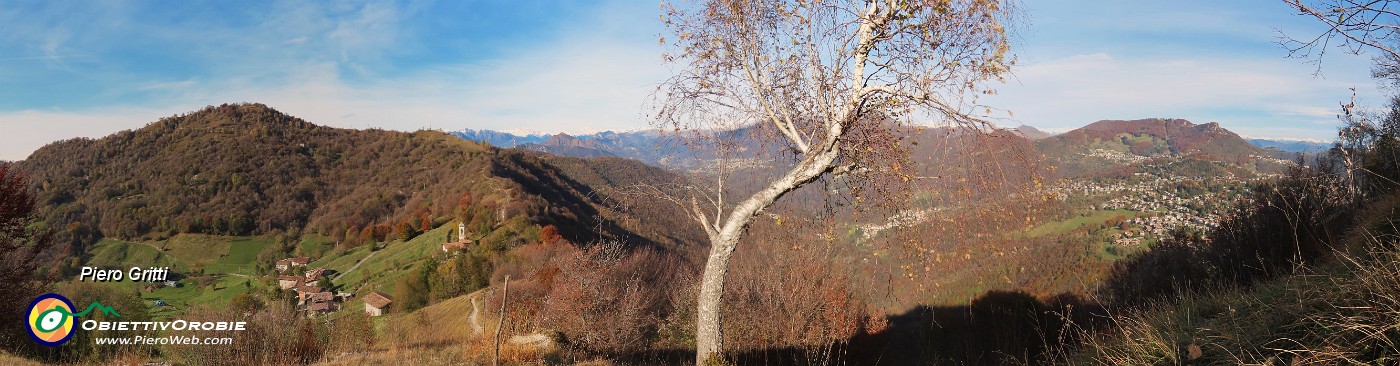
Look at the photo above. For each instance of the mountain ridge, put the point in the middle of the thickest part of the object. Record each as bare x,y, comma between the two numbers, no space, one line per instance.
1168,136
1088,150
248,169
1291,145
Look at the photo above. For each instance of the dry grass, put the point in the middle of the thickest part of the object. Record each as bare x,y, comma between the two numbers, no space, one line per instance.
446,322
440,334
415,356
1345,312
118,360
8,359
474,351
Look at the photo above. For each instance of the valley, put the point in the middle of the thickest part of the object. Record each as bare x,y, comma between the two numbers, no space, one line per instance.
517,208
708,183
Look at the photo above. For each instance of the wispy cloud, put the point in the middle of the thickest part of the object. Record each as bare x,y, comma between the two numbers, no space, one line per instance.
1240,93
332,67
170,85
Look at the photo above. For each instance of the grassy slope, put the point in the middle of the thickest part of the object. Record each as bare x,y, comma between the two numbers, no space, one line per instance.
1345,311
395,259
449,318
1066,225
314,246
216,254
117,254
449,342
343,261
232,261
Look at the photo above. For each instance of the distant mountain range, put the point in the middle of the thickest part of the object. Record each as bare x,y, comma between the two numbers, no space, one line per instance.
1297,146
646,146
499,139
1146,137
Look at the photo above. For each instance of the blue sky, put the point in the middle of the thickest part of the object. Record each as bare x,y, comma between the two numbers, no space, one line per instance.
70,69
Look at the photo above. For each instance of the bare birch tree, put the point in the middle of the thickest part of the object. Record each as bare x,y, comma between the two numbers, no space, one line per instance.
805,74
1353,26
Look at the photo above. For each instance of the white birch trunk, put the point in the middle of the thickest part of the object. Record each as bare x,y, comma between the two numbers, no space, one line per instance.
709,332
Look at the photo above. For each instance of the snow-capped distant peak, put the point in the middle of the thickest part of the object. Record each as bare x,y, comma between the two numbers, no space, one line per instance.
527,132
1288,139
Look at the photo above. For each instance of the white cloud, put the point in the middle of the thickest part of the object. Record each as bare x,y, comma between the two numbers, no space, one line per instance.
590,78
28,130
1241,93
1324,115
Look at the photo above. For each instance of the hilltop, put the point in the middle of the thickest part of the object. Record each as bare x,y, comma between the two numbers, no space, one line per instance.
1032,133
247,169
1156,136
1107,143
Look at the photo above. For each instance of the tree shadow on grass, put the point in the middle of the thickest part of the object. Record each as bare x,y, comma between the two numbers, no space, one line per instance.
997,328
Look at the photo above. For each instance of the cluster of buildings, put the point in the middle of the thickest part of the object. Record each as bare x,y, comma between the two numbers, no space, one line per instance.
315,299
1171,209
311,297
1159,196
1116,156
1162,225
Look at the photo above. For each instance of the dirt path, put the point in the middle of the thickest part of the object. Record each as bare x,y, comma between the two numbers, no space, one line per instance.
475,317
357,265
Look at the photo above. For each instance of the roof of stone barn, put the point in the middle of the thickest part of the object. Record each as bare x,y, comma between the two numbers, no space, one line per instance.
315,274
297,260
320,296
319,306
378,299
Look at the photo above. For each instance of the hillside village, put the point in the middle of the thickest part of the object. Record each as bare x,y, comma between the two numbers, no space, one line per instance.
1162,200
316,296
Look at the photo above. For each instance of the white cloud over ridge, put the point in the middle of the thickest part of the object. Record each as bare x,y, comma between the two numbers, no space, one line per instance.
1244,94
591,77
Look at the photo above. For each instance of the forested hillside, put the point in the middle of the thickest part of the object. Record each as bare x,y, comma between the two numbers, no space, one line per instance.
246,169
1102,144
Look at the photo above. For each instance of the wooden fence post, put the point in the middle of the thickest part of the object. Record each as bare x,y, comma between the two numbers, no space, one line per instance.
500,321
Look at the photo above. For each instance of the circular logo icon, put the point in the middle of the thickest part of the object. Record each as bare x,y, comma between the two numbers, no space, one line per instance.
50,319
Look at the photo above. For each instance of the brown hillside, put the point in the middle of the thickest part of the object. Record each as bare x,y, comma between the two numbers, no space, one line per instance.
1174,137
247,169
1155,137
